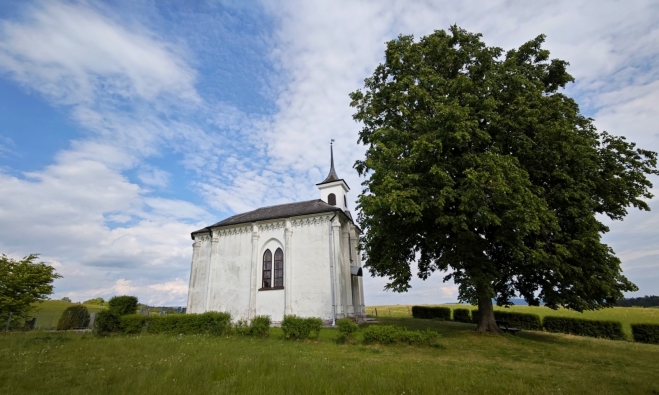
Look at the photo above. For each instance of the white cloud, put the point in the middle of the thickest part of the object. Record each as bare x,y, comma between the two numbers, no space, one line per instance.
69,52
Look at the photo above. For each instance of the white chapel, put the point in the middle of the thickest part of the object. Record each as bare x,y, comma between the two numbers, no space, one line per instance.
296,258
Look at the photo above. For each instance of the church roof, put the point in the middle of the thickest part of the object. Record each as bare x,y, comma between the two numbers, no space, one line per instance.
279,211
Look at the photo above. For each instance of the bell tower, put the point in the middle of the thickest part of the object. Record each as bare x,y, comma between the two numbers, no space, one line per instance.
333,190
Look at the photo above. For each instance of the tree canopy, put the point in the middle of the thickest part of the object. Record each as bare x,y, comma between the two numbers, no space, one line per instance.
478,165
22,283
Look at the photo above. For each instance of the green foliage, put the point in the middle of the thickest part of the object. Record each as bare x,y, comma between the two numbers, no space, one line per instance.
390,334
66,299
95,301
643,301
107,322
123,305
22,283
73,317
646,333
190,324
295,327
259,326
347,329
519,320
132,323
462,315
581,327
443,313
478,165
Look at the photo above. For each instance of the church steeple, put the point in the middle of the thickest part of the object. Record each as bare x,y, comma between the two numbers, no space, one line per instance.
333,189
332,173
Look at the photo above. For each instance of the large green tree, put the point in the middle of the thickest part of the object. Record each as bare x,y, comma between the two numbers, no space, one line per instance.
479,166
22,283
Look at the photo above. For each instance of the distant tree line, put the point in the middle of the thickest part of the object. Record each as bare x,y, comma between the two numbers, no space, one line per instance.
643,301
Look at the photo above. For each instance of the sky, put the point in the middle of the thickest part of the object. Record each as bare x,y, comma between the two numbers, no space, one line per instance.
127,124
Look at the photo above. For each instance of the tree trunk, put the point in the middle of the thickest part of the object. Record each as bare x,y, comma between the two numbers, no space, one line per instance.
486,321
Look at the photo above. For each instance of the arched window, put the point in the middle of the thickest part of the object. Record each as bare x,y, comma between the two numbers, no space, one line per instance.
331,199
279,268
267,269
345,201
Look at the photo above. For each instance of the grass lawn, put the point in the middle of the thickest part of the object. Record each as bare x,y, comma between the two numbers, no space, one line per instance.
50,311
465,363
625,315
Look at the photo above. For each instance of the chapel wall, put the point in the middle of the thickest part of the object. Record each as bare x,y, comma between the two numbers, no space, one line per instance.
199,274
231,277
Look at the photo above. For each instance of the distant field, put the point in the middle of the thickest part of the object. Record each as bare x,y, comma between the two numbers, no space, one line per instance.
50,311
626,315
466,362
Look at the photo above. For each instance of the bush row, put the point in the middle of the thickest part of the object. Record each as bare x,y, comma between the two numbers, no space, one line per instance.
443,313
576,326
295,327
646,333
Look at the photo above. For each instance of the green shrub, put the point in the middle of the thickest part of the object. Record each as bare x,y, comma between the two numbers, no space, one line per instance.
295,327
347,329
132,323
431,312
390,334
462,315
73,317
260,326
190,324
96,301
123,305
519,320
581,327
106,322
646,333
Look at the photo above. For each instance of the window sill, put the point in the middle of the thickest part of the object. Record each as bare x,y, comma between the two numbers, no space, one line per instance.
270,289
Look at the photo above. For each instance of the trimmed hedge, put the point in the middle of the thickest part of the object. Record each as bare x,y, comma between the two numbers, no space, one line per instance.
581,327
646,333
190,324
133,323
106,322
347,329
462,315
431,312
390,334
295,327
519,320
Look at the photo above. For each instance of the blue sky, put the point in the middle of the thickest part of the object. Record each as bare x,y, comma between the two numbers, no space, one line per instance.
125,125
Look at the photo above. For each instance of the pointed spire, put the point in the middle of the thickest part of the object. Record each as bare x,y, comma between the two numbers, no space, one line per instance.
332,173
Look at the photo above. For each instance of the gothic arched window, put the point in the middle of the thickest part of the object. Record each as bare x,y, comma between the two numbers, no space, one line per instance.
345,201
279,268
267,269
331,199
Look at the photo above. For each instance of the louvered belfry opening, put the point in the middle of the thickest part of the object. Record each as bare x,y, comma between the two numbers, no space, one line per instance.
331,199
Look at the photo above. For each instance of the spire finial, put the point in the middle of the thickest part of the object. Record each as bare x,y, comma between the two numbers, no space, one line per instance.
332,173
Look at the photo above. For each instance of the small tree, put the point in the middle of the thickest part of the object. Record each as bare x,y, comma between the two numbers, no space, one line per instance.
123,305
66,299
22,283
96,301
73,317
479,166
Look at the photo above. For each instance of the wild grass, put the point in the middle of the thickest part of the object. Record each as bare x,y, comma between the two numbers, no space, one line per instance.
465,362
625,315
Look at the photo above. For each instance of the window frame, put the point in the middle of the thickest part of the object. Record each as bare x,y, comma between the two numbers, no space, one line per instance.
272,271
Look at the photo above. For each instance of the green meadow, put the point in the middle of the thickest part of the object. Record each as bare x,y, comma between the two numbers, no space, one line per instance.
465,362
49,312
